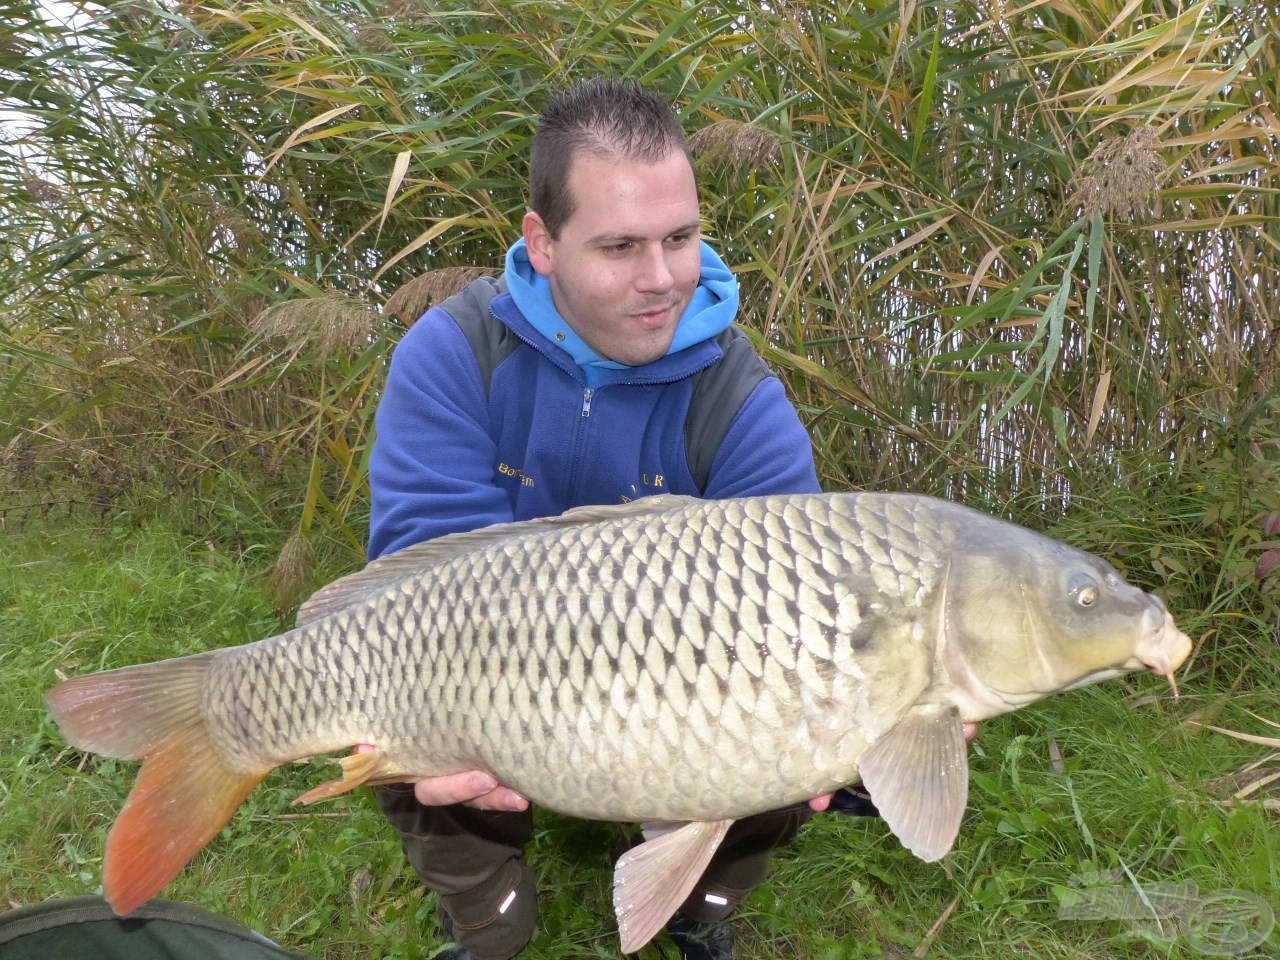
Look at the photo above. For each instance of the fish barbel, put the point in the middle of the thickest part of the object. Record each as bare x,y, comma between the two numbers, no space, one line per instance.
671,660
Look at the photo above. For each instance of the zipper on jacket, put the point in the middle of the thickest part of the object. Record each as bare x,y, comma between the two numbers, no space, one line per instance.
587,394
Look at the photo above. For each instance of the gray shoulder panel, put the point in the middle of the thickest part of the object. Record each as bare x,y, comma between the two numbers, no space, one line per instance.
490,339
719,392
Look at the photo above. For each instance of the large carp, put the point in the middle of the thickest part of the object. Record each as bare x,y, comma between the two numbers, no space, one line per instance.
670,660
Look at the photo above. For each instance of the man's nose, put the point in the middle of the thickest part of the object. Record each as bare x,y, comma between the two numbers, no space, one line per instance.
654,271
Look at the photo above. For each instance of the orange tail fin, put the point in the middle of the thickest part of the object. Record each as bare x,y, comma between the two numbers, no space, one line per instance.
185,792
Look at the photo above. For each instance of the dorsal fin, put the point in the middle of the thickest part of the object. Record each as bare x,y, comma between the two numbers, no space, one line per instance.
379,575
601,512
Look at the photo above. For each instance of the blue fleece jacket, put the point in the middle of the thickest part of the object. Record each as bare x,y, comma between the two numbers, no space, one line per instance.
559,426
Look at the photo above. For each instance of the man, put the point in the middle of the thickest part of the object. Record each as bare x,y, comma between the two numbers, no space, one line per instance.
603,367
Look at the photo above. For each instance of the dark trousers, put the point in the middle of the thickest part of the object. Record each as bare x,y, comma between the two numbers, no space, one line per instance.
474,861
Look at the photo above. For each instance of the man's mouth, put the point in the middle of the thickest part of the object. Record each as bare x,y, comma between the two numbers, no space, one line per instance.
653,316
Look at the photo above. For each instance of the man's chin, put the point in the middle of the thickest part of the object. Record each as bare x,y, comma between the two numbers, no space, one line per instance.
644,345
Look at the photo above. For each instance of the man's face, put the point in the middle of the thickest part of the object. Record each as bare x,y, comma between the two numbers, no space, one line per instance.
627,261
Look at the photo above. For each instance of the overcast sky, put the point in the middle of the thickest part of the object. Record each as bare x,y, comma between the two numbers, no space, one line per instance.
60,11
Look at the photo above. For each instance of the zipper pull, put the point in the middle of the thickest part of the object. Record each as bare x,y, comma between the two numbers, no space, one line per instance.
587,394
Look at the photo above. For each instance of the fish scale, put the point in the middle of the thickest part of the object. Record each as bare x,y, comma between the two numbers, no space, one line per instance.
763,616
668,660
766,602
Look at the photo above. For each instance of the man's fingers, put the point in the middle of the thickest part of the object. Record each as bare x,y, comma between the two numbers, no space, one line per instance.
475,788
453,788
502,798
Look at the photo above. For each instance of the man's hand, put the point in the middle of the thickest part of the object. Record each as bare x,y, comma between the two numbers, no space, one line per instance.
474,788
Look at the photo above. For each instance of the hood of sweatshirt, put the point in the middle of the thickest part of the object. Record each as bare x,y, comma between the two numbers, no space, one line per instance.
712,308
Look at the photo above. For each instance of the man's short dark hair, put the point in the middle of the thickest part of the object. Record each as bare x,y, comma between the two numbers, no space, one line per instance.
602,116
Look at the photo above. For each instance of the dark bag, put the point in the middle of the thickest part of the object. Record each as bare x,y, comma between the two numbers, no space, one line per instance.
85,928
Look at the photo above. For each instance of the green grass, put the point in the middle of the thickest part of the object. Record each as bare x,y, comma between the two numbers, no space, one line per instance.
1085,782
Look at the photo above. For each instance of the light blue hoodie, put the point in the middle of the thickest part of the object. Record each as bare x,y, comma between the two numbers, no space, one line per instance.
710,311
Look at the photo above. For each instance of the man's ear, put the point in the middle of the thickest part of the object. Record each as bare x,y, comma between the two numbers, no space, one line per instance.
537,240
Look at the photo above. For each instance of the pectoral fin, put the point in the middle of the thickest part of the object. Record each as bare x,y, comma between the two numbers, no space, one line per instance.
653,878
918,777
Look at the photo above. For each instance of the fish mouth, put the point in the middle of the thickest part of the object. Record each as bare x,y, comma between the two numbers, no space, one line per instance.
1162,649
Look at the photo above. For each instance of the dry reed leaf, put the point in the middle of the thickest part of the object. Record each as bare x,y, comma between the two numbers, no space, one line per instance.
1258,781
1055,757
398,172
300,134
924,233
923,949
1268,562
438,228
980,272
1096,407
1236,734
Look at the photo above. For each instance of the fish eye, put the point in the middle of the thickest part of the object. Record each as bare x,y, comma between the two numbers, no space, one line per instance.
1083,589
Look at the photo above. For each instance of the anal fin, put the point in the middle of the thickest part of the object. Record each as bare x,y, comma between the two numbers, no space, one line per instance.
653,878
362,769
